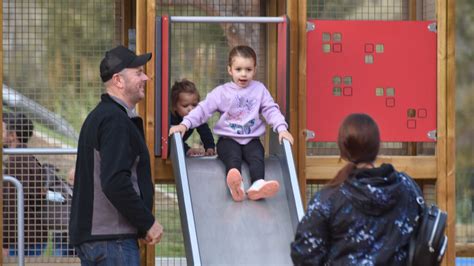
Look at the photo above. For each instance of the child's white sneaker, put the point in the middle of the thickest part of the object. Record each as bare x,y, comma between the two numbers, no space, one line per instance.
261,189
235,184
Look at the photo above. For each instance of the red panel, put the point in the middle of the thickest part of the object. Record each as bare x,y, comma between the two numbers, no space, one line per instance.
386,69
282,65
165,86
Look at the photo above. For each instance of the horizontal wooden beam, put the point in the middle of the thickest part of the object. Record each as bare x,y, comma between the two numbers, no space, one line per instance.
163,171
326,167
464,249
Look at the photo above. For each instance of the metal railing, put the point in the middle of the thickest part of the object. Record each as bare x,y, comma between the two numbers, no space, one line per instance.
228,19
21,218
39,151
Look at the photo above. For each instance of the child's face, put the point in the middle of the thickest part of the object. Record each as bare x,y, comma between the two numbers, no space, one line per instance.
242,70
9,137
5,136
186,102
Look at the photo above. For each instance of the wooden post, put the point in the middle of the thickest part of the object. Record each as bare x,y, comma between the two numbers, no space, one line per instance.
412,10
292,13
297,15
150,103
128,19
411,146
450,131
446,119
145,33
271,45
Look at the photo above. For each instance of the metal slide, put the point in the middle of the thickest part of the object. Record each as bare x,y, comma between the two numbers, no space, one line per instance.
219,231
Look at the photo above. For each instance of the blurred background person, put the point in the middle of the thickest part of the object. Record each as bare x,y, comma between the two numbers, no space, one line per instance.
17,131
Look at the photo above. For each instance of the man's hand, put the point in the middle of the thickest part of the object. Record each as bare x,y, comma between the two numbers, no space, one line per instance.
179,128
153,236
285,135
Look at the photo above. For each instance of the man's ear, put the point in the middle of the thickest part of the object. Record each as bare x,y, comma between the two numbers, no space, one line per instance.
117,80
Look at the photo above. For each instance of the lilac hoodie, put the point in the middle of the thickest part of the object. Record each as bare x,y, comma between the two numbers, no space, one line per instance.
240,110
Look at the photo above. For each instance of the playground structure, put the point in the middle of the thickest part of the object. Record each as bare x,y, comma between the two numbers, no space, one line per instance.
430,160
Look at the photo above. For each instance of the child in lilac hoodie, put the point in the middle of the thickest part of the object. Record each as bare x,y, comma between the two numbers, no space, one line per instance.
240,104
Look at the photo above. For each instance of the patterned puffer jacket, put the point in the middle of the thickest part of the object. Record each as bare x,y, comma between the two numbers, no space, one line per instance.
367,220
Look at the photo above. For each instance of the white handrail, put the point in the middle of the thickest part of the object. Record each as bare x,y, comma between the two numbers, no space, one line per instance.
42,151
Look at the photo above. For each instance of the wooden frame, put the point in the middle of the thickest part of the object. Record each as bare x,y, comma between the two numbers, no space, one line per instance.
439,168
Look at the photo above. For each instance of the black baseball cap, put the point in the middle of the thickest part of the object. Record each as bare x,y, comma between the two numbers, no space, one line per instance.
119,58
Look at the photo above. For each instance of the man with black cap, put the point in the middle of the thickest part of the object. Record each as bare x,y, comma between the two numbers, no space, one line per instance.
113,191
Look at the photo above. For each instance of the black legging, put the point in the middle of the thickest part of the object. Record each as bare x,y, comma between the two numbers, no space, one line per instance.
232,153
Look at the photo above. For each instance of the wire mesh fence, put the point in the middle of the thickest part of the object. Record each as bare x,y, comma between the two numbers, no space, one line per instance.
428,10
358,10
464,206
51,54
170,251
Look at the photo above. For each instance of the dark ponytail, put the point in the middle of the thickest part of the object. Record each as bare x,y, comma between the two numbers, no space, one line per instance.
358,142
342,175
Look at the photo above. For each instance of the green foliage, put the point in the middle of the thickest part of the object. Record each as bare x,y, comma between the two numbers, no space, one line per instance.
54,54
167,213
464,111
464,44
172,244
464,197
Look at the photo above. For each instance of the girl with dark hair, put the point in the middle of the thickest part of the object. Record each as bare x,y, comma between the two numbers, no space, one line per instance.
184,98
366,214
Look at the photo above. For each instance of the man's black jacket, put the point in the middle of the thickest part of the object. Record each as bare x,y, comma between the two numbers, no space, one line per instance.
113,190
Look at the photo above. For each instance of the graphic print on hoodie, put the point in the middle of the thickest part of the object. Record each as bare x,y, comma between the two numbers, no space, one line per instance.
240,110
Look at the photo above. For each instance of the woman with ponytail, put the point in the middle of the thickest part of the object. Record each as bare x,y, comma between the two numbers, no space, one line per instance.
366,214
